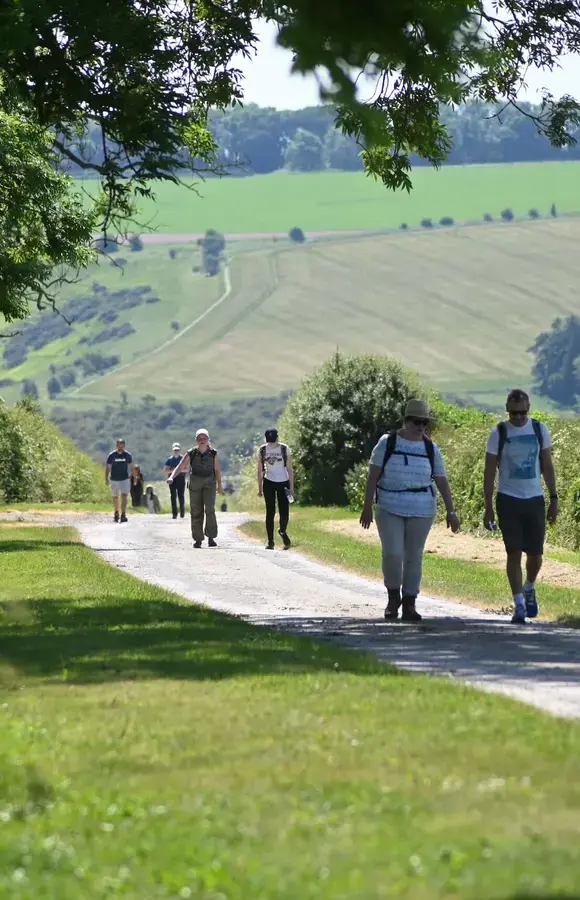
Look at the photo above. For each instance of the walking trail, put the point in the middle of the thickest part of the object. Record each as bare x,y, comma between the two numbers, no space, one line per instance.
537,663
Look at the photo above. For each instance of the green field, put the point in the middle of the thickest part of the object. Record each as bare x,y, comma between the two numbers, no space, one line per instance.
321,201
460,306
153,749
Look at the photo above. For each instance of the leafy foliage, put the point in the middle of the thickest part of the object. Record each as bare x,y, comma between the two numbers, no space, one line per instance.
212,248
297,235
37,463
556,368
304,153
336,416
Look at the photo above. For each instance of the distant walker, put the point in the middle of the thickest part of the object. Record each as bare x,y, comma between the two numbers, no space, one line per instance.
276,482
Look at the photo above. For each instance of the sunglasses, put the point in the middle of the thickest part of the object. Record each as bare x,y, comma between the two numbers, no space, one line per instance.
517,412
419,422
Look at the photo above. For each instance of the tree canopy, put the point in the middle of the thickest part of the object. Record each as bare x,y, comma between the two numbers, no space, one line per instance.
138,79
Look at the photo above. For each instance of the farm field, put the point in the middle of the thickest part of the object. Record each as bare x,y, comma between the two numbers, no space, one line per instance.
459,306
321,201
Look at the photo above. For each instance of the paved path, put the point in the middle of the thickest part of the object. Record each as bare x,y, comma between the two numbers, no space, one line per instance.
539,664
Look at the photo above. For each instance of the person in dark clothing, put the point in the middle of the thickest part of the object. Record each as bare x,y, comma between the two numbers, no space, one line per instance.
205,478
177,484
275,482
118,472
137,482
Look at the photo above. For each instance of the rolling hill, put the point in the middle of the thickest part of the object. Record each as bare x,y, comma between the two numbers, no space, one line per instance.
461,306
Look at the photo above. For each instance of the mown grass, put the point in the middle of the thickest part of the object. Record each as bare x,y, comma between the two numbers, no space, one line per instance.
455,579
150,748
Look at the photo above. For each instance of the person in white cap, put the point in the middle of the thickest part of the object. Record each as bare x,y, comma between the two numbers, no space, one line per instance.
405,468
177,485
204,478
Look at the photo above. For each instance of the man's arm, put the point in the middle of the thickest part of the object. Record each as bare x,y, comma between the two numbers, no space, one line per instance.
260,476
290,468
218,474
371,488
107,473
550,479
488,488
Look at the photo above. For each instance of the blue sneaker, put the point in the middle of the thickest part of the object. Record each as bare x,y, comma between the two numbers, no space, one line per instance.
519,616
531,602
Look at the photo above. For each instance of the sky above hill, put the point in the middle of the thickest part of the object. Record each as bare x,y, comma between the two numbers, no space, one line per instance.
268,81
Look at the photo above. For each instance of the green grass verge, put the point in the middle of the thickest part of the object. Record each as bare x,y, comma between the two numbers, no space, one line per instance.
150,748
471,582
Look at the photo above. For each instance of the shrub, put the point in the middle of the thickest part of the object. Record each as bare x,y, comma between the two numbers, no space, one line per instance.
104,245
38,464
355,485
426,223
507,215
297,235
153,299
135,243
446,220
109,316
68,378
176,326
172,254
53,387
404,226
534,214
29,389
335,418
487,217
553,211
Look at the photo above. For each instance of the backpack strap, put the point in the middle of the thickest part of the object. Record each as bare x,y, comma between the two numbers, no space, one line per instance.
501,441
537,426
430,451
284,449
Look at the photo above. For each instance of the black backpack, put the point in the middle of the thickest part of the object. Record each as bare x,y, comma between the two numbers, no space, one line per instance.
391,450
284,450
503,439
195,452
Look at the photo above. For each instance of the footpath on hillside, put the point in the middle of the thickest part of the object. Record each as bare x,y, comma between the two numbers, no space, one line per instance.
537,663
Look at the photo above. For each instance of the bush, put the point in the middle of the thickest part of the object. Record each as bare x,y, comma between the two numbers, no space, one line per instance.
426,223
507,215
487,217
153,299
534,214
355,485
104,245
53,387
553,211
176,326
446,220
38,464
297,235
29,389
172,254
404,226
337,415
135,243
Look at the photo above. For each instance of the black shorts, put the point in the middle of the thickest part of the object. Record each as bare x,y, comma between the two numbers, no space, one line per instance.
522,523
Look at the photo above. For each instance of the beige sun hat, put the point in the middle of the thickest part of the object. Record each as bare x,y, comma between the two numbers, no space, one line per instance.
417,409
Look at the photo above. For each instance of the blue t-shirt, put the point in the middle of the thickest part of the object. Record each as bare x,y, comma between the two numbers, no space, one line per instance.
119,463
172,463
407,471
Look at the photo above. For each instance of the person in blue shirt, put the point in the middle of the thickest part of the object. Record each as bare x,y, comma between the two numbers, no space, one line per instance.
177,485
118,472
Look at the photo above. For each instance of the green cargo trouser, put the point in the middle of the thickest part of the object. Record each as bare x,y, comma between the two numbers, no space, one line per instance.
202,493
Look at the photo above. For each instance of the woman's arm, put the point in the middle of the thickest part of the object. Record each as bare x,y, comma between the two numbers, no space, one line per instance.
180,468
218,474
445,491
290,471
371,488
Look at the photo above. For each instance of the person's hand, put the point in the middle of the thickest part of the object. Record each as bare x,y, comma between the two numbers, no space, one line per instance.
107,481
366,517
489,519
169,480
553,510
453,522
221,490
260,492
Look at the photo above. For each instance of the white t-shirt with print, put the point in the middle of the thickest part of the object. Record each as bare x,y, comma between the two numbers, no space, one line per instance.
519,468
274,467
404,472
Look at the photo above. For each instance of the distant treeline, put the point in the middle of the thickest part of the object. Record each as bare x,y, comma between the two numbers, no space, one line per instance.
257,140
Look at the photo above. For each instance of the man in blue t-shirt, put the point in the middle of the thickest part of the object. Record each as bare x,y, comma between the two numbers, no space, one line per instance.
177,486
118,473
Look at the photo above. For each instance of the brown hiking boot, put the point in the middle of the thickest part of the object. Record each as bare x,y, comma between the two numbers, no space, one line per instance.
392,609
410,614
